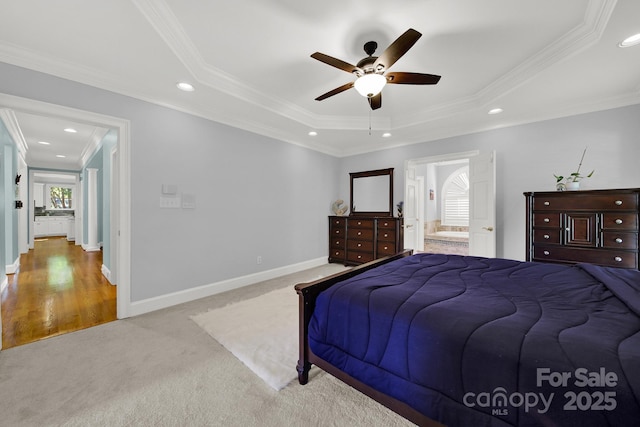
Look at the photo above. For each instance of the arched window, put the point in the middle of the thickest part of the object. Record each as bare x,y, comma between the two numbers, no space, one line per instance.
455,198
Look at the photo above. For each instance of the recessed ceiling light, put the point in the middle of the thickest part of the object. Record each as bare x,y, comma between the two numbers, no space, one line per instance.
630,41
62,156
44,143
386,135
496,111
313,133
187,87
70,130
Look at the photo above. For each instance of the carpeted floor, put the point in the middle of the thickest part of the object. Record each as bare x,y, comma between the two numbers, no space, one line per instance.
161,369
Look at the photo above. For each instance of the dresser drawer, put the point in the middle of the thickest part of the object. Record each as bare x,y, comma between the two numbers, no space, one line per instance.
361,223
620,221
577,201
386,224
619,240
387,235
337,232
386,248
546,219
612,258
360,257
337,254
337,242
546,236
337,221
360,233
360,245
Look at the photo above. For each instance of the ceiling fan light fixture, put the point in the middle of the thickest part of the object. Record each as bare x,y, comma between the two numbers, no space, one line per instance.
370,84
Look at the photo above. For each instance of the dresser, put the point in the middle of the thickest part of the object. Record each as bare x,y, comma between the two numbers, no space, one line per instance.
359,239
594,226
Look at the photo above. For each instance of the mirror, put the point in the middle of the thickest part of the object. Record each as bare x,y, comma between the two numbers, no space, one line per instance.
372,192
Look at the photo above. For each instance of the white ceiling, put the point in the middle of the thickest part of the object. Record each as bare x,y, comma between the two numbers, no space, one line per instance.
250,62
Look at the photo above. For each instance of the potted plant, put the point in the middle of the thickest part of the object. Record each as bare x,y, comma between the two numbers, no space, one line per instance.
572,181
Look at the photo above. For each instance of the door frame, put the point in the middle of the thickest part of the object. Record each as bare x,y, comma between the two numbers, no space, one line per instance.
411,164
123,217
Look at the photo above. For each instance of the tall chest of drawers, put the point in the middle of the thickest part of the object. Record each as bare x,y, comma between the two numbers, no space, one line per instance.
595,226
357,239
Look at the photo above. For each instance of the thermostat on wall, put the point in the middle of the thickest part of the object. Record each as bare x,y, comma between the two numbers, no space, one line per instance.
169,189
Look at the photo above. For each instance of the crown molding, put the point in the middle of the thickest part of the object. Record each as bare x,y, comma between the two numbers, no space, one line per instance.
10,121
165,23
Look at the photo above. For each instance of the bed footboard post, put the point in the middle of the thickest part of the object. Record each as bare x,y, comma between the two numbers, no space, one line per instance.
304,315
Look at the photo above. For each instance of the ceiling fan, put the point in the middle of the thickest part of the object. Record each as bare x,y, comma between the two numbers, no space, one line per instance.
371,71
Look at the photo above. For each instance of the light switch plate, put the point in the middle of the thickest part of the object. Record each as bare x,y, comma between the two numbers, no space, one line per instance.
170,202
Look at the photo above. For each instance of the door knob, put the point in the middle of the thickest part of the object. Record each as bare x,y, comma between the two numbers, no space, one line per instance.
488,228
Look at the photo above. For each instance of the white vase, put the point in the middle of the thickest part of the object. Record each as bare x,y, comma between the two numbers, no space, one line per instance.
573,185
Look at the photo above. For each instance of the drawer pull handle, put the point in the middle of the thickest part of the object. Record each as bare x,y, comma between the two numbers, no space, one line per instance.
386,235
547,203
337,231
546,236
359,223
546,252
618,202
359,256
547,220
618,259
359,245
359,233
337,242
386,247
618,221
618,240
386,223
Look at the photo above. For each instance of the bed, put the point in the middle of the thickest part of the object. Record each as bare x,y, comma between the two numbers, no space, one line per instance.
469,341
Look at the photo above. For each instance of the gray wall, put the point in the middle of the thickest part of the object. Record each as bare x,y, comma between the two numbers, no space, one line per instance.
527,157
255,196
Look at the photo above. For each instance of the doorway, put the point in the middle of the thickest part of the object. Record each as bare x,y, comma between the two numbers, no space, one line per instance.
453,199
120,210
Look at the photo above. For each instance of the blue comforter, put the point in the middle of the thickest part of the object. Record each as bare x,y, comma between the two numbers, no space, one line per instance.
472,341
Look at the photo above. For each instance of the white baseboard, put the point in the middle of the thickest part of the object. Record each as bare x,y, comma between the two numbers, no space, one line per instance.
12,268
4,284
163,301
88,248
106,273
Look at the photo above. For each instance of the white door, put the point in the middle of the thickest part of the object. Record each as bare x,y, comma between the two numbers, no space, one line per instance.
482,205
414,212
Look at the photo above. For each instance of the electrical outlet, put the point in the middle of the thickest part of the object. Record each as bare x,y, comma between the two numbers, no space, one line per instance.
259,260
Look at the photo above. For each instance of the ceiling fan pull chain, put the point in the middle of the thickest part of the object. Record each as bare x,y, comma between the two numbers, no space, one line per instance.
369,122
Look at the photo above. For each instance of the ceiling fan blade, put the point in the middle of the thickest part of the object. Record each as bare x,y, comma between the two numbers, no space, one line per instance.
412,78
398,48
335,62
375,101
335,91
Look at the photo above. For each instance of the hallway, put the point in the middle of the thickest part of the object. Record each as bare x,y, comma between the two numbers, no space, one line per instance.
59,288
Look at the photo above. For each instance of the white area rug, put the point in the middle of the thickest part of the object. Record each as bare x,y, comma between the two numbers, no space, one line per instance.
262,332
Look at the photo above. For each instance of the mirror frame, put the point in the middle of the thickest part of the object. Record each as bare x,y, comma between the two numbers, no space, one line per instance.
365,174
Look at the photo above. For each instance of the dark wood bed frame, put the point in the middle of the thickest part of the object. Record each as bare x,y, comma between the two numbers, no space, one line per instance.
307,294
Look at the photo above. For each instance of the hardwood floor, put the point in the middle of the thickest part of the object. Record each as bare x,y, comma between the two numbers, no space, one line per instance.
58,288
